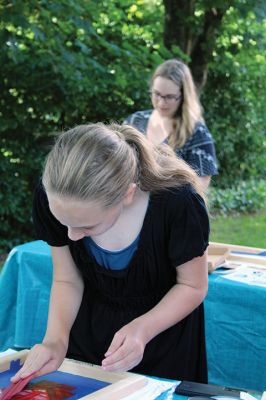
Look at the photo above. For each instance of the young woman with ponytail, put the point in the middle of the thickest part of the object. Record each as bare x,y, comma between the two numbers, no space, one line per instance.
128,229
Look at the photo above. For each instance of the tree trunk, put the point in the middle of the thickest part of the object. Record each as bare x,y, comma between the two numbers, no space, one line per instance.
205,43
176,31
198,42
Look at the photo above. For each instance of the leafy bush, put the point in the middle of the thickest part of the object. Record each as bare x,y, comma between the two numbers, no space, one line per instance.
19,170
68,62
243,197
235,97
64,63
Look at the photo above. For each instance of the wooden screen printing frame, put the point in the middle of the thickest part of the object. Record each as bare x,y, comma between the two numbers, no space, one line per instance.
220,253
121,384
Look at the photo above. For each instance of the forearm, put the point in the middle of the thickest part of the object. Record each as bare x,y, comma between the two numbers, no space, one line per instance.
47,357
66,295
65,300
179,302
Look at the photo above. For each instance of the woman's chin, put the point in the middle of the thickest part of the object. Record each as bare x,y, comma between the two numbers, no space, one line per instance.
165,113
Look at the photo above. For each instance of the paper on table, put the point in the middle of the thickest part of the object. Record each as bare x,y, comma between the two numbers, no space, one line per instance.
153,389
246,274
263,397
246,396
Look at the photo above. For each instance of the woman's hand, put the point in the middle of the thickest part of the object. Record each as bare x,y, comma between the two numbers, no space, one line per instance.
127,348
42,359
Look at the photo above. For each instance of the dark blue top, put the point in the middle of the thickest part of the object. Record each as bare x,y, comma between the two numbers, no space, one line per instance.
198,151
115,260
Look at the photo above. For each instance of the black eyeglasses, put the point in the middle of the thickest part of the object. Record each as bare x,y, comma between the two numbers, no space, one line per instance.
168,98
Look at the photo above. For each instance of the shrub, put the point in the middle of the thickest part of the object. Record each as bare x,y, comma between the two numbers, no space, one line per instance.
245,196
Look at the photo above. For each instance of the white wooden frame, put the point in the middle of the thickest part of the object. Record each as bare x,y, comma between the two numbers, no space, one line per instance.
121,384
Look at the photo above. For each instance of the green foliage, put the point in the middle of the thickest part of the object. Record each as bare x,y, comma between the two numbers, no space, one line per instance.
71,61
19,167
64,63
244,197
68,62
235,96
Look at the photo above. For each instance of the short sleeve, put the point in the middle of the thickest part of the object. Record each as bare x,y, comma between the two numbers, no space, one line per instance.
47,227
199,152
189,233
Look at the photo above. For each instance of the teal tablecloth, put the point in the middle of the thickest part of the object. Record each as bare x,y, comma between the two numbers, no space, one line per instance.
235,316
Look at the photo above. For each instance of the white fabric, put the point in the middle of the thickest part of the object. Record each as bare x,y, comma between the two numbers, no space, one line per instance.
153,389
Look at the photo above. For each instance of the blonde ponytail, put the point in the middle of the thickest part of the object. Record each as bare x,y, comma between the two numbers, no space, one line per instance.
98,162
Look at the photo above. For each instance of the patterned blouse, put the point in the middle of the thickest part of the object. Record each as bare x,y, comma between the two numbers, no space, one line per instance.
198,151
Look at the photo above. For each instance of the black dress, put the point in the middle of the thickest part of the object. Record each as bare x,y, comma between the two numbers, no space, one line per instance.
175,230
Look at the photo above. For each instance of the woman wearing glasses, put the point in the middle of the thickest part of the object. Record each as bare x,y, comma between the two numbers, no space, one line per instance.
177,119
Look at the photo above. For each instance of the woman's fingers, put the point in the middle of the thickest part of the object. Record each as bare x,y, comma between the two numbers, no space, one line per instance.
123,357
116,343
121,361
126,349
42,359
32,364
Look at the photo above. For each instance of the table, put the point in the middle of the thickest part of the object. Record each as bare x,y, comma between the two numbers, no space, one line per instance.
234,314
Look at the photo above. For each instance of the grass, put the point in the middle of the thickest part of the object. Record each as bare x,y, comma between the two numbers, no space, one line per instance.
245,230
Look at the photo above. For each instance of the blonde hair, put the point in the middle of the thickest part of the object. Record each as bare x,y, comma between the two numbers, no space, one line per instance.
98,162
190,112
